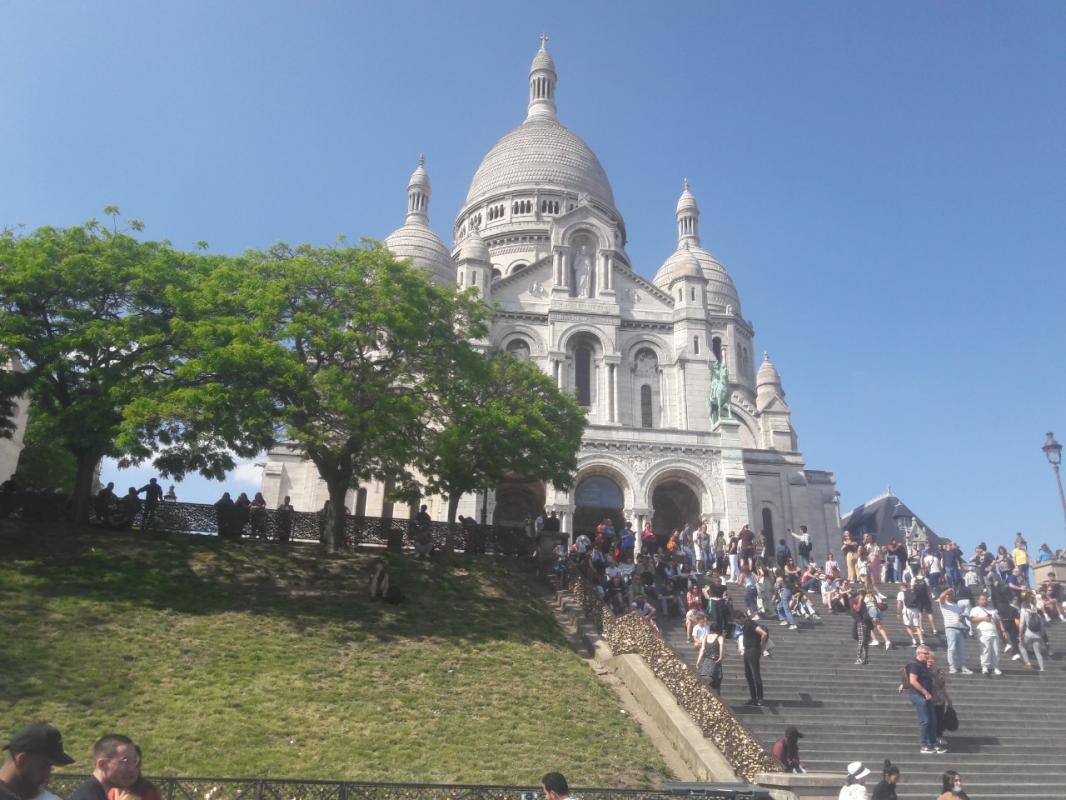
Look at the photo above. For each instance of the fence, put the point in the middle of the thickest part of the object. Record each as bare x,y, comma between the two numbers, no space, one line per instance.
259,789
629,633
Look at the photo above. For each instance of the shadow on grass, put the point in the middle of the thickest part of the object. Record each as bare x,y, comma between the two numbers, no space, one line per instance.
473,599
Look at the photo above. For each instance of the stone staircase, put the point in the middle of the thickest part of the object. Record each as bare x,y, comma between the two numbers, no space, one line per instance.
1011,741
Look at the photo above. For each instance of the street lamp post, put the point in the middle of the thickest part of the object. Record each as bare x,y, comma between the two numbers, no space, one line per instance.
1053,451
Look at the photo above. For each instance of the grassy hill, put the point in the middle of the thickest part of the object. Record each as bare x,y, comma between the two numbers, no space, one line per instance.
242,659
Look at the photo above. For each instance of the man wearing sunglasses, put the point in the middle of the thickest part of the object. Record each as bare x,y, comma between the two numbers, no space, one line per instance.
115,765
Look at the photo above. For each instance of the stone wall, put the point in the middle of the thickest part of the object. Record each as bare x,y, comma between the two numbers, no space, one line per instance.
631,634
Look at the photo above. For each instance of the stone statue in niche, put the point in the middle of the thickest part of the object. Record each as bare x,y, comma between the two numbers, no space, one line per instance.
583,272
536,288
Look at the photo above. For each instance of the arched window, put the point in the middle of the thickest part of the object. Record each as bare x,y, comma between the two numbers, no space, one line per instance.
692,294
496,274
645,406
518,348
583,375
696,345
716,348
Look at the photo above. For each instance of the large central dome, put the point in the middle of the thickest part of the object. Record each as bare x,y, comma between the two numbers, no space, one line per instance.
541,152
540,169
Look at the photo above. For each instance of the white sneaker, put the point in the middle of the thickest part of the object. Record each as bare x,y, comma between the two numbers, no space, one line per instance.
1008,648
784,622
984,671
953,671
966,671
888,645
1015,657
792,628
997,672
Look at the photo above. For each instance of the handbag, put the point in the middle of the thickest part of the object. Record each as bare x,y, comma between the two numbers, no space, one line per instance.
951,719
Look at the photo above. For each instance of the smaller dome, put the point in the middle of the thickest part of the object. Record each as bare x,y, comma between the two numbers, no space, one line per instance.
687,266
687,201
473,248
768,374
417,241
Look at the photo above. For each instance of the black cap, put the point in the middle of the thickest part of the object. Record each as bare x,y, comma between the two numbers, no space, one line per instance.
40,737
792,732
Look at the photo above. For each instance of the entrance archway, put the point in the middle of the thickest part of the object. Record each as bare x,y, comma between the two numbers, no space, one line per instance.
596,497
517,501
674,504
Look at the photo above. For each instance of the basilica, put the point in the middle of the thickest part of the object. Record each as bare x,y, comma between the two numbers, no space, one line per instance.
683,425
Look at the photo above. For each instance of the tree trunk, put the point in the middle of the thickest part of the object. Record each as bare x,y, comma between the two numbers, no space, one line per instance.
81,498
453,505
336,521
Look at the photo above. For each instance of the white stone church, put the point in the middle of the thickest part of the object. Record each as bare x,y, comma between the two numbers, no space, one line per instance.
540,239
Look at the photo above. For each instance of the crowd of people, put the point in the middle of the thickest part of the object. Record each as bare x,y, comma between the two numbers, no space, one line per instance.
35,749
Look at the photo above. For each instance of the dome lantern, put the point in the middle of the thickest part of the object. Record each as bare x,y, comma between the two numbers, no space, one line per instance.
418,192
542,79
688,217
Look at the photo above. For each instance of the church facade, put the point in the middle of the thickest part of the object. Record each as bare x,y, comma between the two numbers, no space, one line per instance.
540,239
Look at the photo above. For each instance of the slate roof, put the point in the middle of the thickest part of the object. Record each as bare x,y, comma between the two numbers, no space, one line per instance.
877,516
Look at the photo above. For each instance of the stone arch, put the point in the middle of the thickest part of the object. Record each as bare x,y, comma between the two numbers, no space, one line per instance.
693,474
677,497
653,343
586,517
606,344
749,430
529,333
593,228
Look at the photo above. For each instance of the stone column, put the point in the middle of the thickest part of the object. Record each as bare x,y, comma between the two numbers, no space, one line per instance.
606,279
613,363
561,271
663,405
681,395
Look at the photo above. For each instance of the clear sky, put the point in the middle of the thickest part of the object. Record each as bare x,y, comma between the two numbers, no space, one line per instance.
886,183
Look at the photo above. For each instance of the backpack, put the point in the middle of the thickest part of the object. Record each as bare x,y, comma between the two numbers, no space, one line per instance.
1035,623
805,549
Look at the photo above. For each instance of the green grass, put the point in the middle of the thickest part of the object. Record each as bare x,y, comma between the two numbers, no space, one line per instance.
240,659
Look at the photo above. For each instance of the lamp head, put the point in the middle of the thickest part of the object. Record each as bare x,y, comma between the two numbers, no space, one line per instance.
1053,450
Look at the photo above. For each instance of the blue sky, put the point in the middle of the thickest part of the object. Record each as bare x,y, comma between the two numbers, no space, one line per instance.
886,183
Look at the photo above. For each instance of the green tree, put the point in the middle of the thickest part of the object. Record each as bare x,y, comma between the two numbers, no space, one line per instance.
87,311
340,352
501,418
44,460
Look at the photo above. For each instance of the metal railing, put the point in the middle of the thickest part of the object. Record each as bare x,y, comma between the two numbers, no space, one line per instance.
309,526
171,788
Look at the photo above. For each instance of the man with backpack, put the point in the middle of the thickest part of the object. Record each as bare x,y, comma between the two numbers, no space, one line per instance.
783,554
804,548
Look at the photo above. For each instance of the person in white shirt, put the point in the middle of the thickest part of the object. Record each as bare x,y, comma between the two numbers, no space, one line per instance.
954,632
989,628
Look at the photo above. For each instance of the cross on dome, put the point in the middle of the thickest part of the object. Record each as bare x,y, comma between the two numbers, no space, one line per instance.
544,41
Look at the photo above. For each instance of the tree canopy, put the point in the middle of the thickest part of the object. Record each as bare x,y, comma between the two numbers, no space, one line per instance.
341,352
87,311
501,418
